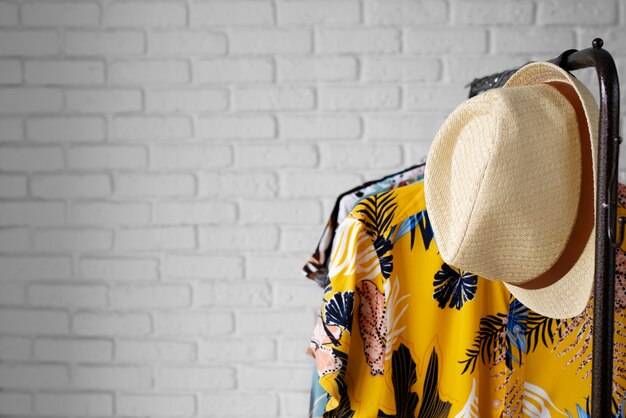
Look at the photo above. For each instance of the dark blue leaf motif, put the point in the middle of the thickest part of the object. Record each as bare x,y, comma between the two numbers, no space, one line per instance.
453,286
516,327
383,246
426,229
339,310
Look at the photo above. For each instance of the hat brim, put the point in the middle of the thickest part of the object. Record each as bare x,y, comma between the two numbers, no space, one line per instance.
569,295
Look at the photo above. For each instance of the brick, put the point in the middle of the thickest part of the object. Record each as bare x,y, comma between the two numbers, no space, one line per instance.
233,71
9,17
271,266
73,296
238,238
280,212
11,129
152,128
318,13
569,13
31,159
463,69
33,322
156,239
248,350
295,403
240,403
14,349
234,184
13,186
66,404
73,240
192,100
318,68
614,38
191,323
71,186
273,98
233,295
15,403
296,238
320,127
195,378
64,72
437,97
359,97
65,129
155,185
270,41
155,405
228,13
185,43
10,69
113,377
15,100
510,13
202,267
110,213
329,184
238,127
293,349
406,12
151,351
12,295
31,213
107,157
141,14
401,69
397,127
361,156
357,40
14,239
532,40
14,268
118,269
111,324
73,350
273,156
148,72
446,41
33,376
190,156
103,101
194,213
301,294
28,43
61,14
275,377
105,43
142,297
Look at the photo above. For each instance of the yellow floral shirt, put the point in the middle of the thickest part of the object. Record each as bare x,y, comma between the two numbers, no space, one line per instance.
403,334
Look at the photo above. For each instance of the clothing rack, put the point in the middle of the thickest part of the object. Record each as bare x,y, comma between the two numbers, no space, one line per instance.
607,237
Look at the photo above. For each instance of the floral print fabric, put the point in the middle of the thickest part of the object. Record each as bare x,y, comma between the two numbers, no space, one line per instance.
316,268
402,334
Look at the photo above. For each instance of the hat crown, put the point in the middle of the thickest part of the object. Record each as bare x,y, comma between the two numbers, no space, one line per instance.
514,164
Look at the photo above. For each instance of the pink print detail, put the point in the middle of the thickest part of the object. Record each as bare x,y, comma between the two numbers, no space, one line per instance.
373,324
325,359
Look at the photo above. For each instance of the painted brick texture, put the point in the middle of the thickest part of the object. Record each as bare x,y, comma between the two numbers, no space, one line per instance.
166,168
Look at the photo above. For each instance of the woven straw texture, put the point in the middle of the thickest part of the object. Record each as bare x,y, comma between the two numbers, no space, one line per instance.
502,185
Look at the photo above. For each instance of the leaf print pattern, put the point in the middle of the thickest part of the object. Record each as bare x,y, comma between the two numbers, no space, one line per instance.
326,358
396,307
470,409
339,310
454,286
373,325
404,377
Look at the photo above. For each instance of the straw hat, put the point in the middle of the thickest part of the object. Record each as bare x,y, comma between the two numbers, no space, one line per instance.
510,186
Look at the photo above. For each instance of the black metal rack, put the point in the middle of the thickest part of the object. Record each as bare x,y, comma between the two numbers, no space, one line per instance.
607,236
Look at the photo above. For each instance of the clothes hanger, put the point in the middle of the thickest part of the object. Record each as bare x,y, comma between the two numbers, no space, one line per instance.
608,236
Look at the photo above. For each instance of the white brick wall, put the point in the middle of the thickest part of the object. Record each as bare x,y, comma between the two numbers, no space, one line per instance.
166,168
